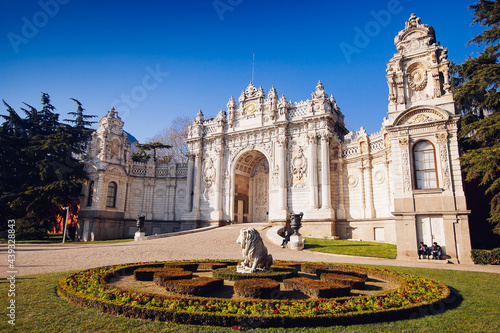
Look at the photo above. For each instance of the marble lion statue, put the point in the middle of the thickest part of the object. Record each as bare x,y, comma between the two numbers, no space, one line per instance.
254,251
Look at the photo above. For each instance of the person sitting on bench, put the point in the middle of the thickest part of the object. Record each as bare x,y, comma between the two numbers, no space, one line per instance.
422,251
436,251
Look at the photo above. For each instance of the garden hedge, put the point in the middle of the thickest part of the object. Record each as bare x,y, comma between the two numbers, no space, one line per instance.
196,287
317,289
486,257
256,288
147,273
192,267
161,278
352,281
278,273
319,269
413,296
212,265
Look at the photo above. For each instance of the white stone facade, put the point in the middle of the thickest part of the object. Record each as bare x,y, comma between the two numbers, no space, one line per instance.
265,157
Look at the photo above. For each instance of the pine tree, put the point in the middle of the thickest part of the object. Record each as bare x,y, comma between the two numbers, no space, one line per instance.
477,79
43,170
475,85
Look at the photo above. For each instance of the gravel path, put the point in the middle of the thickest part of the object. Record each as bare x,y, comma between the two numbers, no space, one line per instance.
219,243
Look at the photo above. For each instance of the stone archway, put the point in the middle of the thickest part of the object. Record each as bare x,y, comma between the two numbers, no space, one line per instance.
251,188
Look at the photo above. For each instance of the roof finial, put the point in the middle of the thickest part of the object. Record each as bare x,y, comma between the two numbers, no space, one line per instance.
253,66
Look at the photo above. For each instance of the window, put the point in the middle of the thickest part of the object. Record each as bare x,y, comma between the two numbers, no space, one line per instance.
424,159
91,194
111,198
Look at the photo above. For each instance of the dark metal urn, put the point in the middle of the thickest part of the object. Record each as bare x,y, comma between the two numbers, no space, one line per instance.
140,222
295,222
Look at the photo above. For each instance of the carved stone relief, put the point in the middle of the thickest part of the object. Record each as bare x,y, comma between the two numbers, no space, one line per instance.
299,164
209,173
352,180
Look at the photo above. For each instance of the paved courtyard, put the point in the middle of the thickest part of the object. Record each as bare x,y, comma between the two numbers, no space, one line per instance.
218,243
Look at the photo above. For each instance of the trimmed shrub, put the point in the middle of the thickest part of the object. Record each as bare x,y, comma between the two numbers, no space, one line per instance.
320,269
147,273
317,289
189,266
211,265
256,288
196,287
277,273
486,257
352,281
160,278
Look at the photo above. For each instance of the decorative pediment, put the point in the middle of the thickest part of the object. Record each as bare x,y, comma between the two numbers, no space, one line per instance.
251,93
414,36
115,169
421,115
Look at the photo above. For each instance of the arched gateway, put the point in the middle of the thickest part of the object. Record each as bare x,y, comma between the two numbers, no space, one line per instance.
251,187
265,157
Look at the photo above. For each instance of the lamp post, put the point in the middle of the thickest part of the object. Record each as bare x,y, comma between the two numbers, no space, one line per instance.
65,223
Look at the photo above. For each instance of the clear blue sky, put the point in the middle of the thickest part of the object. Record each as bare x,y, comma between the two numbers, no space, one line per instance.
100,52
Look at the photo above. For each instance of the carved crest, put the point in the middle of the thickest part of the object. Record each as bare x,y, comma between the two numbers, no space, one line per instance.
299,164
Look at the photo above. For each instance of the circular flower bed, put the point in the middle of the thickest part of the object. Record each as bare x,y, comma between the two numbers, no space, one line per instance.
90,288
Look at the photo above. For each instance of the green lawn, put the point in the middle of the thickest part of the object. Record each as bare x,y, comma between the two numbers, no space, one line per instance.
38,309
351,248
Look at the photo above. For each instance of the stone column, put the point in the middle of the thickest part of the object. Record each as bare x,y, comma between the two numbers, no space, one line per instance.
152,186
405,162
282,172
341,171
390,207
362,168
370,189
219,182
197,184
326,195
189,190
313,171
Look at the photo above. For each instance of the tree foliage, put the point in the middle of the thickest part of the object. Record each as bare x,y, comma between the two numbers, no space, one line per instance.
42,167
477,79
475,85
142,156
174,136
481,158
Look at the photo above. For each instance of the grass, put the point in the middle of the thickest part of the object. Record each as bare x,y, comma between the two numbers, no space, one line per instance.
351,248
57,238
39,309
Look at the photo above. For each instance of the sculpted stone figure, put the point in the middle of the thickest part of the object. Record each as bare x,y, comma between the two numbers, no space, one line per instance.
254,251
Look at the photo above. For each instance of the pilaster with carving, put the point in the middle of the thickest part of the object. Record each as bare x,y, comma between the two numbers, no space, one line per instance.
312,139
442,139
404,144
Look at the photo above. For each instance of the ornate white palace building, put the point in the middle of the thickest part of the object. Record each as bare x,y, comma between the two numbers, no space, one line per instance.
265,157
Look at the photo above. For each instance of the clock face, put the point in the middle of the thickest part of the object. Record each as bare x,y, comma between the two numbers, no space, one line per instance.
250,108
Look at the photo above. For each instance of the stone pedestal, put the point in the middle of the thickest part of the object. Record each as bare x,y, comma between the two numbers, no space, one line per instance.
139,235
296,243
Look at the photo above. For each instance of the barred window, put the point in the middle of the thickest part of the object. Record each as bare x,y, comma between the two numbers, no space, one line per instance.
90,197
424,158
111,198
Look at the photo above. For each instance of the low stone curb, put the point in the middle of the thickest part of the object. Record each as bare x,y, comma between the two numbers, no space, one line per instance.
178,233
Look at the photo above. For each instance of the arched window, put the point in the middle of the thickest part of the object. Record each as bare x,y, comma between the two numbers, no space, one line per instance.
91,194
424,158
111,198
